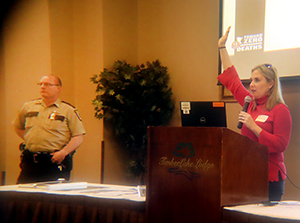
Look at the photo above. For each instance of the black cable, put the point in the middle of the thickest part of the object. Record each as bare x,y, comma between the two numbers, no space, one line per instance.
275,165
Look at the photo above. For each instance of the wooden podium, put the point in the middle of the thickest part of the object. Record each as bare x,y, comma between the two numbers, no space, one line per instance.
194,171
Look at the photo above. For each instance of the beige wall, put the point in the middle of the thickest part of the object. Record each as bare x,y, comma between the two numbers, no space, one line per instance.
56,37
120,37
179,35
77,54
27,56
3,113
88,60
88,35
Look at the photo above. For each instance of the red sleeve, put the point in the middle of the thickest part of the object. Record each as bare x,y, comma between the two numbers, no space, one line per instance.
230,79
278,140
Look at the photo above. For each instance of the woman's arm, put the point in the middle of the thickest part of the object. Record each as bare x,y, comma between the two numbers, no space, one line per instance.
248,121
225,59
229,78
279,139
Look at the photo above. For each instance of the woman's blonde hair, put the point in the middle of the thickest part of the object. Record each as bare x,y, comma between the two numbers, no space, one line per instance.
275,94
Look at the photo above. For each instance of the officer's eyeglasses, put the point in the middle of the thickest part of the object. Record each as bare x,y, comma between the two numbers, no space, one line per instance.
46,84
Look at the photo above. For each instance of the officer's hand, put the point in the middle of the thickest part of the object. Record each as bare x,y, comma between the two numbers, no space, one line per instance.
58,157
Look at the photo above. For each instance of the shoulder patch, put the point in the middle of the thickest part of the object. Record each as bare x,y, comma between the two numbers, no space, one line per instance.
78,115
75,109
68,104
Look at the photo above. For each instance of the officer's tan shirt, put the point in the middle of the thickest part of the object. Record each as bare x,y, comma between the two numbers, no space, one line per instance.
48,128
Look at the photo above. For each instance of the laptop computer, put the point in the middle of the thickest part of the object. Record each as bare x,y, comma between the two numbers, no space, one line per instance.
203,113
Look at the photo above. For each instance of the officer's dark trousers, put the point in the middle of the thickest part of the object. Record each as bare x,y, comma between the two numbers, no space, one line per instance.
37,167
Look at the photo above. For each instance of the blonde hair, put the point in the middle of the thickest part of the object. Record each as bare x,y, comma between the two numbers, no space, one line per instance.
275,94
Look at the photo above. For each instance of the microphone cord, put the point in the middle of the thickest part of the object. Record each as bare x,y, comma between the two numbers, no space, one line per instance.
275,165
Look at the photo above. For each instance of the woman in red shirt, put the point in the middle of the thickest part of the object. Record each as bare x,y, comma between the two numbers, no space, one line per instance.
267,120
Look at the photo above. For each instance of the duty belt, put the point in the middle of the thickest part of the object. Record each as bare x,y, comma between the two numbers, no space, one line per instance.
38,157
44,159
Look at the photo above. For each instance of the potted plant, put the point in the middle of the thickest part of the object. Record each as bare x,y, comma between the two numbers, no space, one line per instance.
133,98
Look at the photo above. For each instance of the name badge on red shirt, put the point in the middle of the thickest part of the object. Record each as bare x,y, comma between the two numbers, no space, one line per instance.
262,118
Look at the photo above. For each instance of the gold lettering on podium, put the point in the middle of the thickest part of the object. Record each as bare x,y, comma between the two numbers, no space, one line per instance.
187,163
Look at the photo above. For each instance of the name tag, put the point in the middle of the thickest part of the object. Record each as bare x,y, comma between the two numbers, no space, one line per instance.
262,118
31,114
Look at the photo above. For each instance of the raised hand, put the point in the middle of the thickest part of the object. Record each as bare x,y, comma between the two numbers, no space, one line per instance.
223,39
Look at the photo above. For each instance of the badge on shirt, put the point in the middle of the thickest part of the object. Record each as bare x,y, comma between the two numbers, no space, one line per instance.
55,116
52,116
262,118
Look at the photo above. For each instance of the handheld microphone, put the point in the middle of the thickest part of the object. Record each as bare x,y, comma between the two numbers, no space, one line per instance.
245,108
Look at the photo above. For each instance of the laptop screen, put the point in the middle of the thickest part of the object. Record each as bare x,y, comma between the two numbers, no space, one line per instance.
203,113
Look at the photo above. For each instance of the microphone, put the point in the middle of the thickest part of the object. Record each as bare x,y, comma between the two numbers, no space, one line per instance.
245,108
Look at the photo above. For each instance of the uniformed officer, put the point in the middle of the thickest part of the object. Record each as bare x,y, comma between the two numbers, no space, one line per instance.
52,130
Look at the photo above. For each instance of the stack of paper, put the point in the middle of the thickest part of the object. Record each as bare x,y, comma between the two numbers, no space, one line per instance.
57,185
